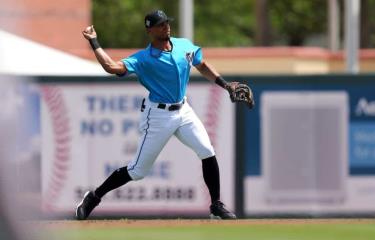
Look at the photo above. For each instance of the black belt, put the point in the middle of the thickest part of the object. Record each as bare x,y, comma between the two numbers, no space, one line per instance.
173,107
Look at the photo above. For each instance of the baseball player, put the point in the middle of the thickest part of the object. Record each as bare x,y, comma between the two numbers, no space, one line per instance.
163,68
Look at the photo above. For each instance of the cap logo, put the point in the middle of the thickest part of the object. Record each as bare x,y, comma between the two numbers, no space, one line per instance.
147,23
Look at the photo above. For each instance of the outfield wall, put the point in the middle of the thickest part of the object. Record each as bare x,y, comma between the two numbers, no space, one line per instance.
89,130
307,148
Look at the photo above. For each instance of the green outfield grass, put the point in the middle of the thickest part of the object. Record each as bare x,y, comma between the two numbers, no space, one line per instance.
199,230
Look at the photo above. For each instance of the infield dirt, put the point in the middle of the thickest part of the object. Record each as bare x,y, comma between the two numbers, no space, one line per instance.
190,222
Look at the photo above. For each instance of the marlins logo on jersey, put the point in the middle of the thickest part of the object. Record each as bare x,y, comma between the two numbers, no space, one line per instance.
189,57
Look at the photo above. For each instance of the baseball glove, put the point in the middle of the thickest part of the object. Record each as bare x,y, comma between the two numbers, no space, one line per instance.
240,92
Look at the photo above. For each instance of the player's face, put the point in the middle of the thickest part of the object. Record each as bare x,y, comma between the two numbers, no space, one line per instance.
161,32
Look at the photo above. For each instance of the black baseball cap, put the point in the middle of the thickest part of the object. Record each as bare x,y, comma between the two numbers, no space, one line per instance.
156,17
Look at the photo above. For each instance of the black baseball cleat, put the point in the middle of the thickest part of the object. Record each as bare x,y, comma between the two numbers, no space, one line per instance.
85,207
218,211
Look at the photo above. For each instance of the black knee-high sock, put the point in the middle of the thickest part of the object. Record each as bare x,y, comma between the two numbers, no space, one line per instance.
211,177
115,180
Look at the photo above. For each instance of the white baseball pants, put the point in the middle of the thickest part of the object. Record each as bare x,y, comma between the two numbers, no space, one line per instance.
158,126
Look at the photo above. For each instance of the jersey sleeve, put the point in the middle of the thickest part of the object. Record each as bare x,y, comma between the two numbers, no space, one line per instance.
131,63
198,56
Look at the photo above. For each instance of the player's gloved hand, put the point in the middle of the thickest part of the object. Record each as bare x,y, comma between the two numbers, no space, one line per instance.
231,87
240,92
